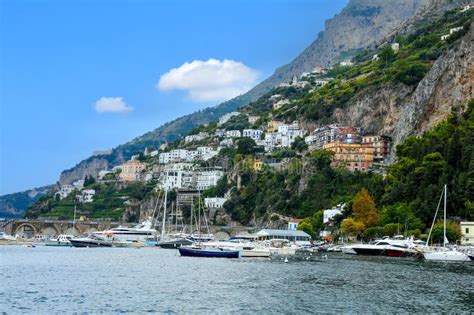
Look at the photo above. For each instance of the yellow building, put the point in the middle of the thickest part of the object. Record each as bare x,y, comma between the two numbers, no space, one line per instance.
131,170
273,125
467,230
352,156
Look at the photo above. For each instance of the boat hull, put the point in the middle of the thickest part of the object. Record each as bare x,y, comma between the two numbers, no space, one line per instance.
446,256
369,251
90,243
173,244
197,252
255,253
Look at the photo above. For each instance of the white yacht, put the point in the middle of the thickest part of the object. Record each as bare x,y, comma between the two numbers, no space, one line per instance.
140,232
246,248
61,240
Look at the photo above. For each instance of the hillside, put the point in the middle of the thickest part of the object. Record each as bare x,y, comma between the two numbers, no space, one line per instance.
416,87
360,25
15,205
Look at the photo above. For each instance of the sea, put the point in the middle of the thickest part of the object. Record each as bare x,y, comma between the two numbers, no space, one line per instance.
66,280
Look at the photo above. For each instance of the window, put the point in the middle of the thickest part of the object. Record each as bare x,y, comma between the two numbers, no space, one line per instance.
467,230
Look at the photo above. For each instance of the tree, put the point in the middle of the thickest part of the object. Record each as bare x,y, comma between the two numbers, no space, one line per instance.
387,55
245,146
299,144
453,232
352,227
364,208
307,227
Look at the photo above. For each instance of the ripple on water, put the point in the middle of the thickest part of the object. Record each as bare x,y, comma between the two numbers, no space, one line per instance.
65,280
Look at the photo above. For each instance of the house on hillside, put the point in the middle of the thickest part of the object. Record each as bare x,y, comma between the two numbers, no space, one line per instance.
131,170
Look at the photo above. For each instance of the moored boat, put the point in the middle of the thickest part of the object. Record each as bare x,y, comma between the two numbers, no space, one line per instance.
61,240
208,252
90,241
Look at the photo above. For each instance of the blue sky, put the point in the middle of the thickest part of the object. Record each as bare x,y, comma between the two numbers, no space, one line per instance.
79,76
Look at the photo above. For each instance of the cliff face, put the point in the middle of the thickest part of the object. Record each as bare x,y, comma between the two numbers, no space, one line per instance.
400,111
361,24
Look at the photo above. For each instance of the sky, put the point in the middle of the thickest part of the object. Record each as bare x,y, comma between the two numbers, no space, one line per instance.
78,76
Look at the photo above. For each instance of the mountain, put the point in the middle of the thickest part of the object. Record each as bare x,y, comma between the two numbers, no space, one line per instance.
15,205
361,24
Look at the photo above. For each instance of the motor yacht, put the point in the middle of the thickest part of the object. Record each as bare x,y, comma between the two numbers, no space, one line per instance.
140,232
61,240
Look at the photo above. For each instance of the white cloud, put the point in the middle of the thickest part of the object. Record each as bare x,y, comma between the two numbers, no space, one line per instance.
112,105
211,80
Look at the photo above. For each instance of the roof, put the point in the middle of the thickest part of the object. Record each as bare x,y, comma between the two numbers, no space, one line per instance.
266,232
295,220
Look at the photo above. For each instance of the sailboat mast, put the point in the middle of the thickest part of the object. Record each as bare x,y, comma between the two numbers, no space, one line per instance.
445,203
164,215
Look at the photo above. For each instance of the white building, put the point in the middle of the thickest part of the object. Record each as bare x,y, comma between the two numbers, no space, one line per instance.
215,202
454,30
154,153
103,173
78,184
88,195
207,179
64,191
329,214
225,118
170,179
198,137
173,156
280,104
219,133
346,63
233,134
293,224
253,119
395,47
254,134
227,143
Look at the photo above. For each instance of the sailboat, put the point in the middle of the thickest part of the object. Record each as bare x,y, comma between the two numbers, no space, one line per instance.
200,249
443,253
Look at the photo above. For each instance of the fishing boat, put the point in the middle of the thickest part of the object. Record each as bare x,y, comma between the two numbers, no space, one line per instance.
443,253
209,252
91,241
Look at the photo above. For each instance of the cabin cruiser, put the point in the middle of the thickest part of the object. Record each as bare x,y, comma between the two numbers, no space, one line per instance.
397,247
92,240
61,240
446,254
140,232
281,247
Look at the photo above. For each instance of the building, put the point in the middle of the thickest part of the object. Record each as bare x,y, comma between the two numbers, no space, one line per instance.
131,170
465,8
180,179
253,119
352,156
233,134
219,133
88,195
395,47
207,179
254,134
293,224
64,191
154,153
467,230
227,143
332,133
444,37
346,63
215,202
280,104
225,118
103,173
329,214
296,236
381,145
174,156
198,137
454,30
272,125
319,69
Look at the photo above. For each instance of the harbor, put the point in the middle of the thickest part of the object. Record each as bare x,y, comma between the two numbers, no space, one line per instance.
96,280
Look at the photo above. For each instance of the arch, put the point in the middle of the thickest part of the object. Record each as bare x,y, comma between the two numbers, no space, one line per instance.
221,235
72,231
49,231
25,230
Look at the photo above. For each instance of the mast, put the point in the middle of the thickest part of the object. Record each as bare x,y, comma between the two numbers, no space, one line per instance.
164,215
444,225
74,220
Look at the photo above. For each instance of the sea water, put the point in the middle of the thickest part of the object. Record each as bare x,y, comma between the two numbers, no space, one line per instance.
45,280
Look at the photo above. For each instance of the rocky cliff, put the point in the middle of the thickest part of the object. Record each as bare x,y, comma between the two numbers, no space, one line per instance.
363,23
400,111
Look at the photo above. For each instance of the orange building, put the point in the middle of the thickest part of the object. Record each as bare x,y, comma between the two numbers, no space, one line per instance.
352,156
381,145
131,170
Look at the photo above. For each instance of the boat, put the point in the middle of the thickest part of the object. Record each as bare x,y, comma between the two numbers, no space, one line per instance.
174,243
91,241
140,232
209,252
443,253
61,240
348,249
5,238
397,247
246,248
128,244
